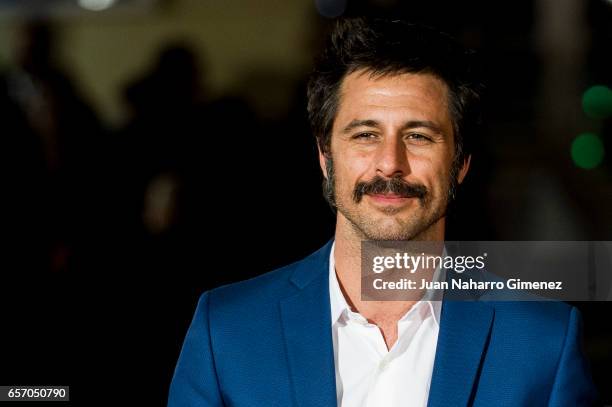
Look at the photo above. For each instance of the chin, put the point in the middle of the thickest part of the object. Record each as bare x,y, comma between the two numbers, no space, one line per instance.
373,224
387,236
401,227
388,229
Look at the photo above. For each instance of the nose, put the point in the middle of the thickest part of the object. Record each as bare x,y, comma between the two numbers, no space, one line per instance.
392,159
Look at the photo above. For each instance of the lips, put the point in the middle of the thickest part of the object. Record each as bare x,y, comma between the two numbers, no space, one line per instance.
389,198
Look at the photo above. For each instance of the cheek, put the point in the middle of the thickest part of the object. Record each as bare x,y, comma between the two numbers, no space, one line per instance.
432,172
351,167
357,165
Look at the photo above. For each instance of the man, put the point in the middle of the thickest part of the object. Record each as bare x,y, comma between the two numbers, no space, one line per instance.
392,106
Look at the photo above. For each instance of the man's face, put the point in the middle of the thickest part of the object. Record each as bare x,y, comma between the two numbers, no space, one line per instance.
392,149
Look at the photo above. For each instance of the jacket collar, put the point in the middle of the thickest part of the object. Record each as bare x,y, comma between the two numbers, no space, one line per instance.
465,328
306,321
312,266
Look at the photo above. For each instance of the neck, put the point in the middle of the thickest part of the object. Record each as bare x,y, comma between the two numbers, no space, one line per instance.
347,257
347,251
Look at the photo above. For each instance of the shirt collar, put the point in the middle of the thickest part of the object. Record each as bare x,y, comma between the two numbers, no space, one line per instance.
337,300
431,302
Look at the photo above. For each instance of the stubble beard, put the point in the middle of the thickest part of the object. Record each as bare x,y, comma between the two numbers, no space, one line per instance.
387,227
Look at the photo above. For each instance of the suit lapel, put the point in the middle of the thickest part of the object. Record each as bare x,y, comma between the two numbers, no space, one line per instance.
464,331
307,331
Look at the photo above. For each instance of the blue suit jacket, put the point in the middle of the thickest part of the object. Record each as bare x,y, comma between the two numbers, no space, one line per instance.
267,342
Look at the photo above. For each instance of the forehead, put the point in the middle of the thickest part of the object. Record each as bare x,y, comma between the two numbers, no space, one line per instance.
406,96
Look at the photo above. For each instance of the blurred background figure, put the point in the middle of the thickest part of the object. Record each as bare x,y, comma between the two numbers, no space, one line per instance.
166,162
49,142
49,146
155,149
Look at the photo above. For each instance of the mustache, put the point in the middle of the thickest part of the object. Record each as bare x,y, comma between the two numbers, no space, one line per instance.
395,185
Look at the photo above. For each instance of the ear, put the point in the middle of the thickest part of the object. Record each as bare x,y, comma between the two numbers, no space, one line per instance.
322,161
464,169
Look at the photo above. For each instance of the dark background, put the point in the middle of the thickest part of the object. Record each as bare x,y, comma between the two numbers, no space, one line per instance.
144,164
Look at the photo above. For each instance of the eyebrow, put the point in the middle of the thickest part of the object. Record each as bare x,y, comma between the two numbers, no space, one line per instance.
411,124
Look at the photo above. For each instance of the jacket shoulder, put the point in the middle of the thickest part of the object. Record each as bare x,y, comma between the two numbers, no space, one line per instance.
539,327
547,313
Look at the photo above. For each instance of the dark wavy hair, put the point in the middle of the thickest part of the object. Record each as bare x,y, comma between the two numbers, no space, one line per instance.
386,47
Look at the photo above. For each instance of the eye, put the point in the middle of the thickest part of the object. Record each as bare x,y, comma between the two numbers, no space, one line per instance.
418,138
365,136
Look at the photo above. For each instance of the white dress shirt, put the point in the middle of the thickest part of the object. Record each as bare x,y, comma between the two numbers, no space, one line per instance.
367,373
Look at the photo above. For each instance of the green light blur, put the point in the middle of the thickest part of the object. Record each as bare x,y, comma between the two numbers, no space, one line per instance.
587,151
597,102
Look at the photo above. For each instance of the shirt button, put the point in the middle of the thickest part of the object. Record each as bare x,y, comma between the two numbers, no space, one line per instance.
383,365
